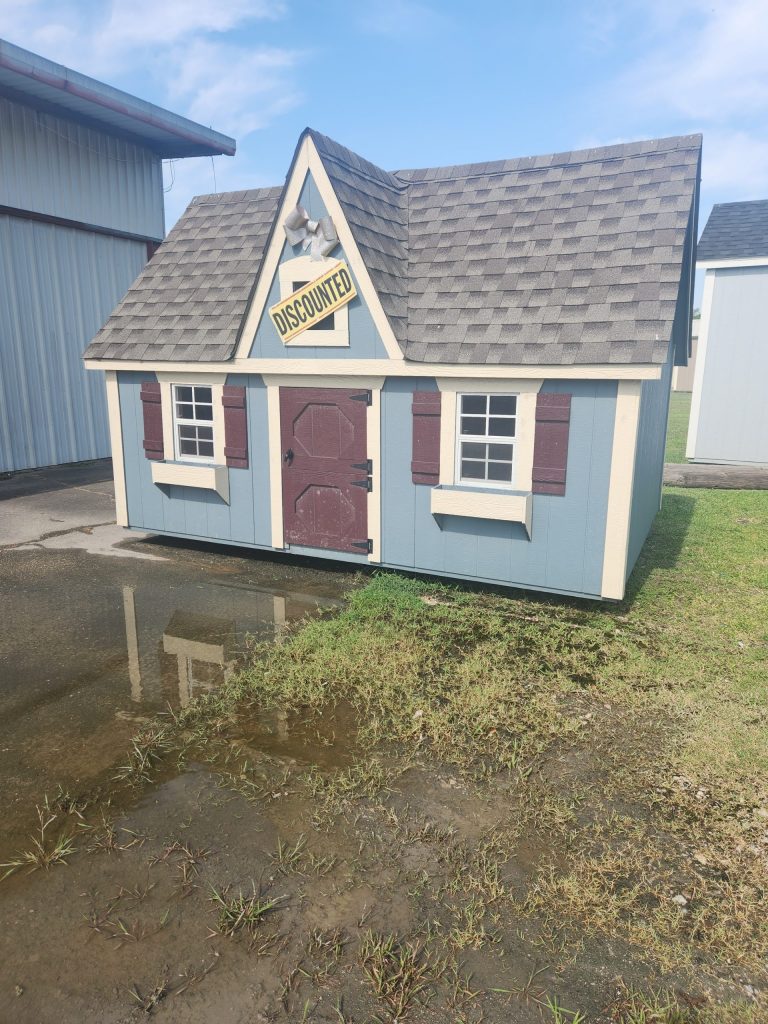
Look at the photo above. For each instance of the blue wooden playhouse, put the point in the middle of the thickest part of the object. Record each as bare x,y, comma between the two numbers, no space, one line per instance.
457,370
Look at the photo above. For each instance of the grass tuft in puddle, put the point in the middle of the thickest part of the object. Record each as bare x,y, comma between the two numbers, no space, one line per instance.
400,971
244,911
147,750
46,848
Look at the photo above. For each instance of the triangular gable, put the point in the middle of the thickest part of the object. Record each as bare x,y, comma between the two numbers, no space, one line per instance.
308,165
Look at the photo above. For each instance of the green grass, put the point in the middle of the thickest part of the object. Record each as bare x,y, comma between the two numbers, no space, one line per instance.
481,676
677,426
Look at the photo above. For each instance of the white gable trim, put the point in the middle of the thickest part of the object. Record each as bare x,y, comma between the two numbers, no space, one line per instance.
308,161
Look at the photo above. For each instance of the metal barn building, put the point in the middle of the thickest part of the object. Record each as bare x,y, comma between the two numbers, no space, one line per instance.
729,413
81,211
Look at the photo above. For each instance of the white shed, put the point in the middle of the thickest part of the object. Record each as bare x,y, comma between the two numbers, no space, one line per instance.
729,410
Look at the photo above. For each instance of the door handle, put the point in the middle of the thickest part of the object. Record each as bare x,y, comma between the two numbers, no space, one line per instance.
288,457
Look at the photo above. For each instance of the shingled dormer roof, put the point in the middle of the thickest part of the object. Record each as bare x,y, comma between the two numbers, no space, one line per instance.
735,231
573,258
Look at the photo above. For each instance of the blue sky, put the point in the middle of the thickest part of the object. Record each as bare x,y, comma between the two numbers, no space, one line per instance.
410,84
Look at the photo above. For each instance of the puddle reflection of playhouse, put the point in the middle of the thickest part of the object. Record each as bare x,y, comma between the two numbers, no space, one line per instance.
175,653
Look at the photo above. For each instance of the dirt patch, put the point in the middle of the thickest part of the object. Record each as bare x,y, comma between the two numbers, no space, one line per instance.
325,882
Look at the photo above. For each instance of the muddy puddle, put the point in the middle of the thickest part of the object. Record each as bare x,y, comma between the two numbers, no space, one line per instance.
93,646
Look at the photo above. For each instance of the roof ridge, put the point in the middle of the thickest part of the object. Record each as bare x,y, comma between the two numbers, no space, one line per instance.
235,196
742,202
345,157
536,162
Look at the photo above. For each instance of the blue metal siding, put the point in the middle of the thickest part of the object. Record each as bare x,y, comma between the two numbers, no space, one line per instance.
56,166
365,342
57,287
190,511
568,533
733,412
649,459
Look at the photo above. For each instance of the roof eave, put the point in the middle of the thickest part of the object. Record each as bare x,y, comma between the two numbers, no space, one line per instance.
162,131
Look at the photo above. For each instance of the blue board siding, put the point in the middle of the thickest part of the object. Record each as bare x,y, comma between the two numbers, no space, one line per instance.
649,459
365,342
190,511
565,552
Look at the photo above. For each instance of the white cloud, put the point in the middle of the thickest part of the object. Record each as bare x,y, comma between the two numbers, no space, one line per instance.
143,22
713,65
399,18
735,165
238,90
700,67
182,48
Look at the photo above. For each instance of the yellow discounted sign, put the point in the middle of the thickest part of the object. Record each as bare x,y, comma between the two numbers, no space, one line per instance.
313,302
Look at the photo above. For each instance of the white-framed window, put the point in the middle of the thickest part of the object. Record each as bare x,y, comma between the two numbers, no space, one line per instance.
486,430
333,330
193,422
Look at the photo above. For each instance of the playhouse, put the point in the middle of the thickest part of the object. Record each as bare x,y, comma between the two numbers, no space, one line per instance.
458,370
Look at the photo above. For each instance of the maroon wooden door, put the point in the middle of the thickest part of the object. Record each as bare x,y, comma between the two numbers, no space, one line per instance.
325,482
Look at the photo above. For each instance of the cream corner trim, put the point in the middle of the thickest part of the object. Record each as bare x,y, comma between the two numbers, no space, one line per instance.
447,434
308,160
116,443
304,268
187,474
477,504
701,358
620,490
526,391
275,449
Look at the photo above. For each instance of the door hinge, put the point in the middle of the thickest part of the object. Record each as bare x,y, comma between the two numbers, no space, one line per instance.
366,397
364,545
367,466
367,484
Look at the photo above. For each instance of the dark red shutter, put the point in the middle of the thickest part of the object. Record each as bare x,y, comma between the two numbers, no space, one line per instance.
425,464
235,427
550,447
153,419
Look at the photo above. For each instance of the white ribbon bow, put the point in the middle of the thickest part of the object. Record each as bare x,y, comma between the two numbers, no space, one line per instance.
319,236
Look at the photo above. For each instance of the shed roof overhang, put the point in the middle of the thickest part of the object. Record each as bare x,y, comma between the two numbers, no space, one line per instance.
38,82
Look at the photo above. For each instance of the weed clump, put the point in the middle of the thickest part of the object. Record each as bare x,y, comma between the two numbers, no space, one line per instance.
399,970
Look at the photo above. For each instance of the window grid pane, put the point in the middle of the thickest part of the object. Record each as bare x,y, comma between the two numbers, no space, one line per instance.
489,425
193,412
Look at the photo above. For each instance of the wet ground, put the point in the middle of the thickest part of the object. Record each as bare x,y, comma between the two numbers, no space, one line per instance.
102,628
273,867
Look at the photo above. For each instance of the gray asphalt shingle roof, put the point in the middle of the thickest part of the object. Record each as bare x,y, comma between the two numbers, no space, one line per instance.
735,231
188,302
563,259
